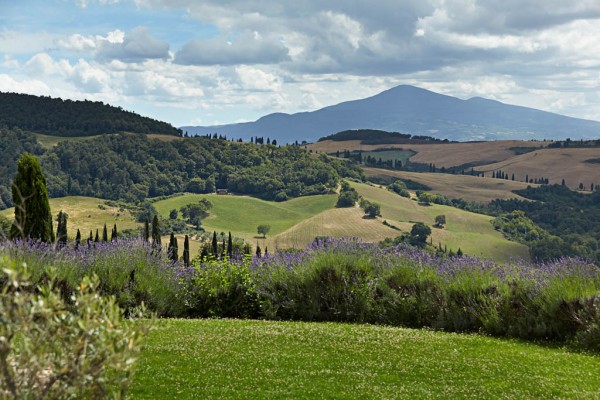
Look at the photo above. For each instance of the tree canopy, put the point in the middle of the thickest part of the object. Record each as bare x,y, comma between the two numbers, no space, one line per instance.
58,117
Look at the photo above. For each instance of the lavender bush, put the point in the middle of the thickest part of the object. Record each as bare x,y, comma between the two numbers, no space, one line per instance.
344,280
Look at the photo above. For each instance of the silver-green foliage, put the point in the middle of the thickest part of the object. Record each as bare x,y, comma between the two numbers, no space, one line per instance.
52,348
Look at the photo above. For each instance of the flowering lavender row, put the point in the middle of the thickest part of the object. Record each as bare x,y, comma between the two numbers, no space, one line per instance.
342,280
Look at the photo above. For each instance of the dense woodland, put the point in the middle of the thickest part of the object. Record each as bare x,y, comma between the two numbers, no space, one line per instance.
572,219
374,136
57,117
132,167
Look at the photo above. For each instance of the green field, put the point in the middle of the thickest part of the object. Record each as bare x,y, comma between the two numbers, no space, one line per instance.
48,141
242,214
473,233
231,359
86,213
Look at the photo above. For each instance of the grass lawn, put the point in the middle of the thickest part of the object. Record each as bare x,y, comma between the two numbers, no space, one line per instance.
473,233
231,359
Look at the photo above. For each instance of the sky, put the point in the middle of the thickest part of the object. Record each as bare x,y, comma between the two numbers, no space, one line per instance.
207,62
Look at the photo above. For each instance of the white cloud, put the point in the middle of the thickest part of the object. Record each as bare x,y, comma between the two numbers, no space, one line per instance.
136,46
29,86
247,48
257,79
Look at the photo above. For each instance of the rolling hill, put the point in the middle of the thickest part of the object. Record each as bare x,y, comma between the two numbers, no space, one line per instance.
413,110
295,223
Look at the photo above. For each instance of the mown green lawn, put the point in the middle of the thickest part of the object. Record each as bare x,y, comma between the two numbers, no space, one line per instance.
231,359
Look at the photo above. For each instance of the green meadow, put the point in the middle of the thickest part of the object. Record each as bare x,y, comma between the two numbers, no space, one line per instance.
242,214
472,232
234,359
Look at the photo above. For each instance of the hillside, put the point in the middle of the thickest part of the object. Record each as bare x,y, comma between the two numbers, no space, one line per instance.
465,187
133,167
295,223
574,165
86,214
58,117
441,154
414,111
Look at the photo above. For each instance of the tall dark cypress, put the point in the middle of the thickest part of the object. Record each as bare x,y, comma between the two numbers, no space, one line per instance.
91,238
113,234
173,251
146,231
186,250
33,218
77,239
229,246
156,241
223,249
215,248
97,238
104,234
61,229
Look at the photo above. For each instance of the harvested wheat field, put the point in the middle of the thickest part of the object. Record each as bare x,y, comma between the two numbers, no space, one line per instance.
441,154
458,186
554,164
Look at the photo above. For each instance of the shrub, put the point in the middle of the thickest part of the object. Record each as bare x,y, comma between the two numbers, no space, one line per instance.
53,348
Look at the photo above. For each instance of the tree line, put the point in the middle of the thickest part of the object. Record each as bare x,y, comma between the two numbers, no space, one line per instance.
58,117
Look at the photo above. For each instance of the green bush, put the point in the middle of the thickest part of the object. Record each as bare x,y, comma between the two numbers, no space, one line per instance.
56,348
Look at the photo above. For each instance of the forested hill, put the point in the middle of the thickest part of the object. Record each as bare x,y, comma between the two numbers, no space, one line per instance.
375,136
58,117
133,167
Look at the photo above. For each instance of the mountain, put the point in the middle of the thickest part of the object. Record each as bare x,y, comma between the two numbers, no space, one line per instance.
58,117
416,111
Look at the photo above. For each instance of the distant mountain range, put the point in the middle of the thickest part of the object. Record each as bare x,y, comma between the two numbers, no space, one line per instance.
416,111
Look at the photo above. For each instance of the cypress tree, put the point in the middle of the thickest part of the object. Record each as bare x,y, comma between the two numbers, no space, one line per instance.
156,241
61,229
173,250
146,231
214,244
258,251
33,218
90,239
223,249
77,239
229,246
104,234
186,251
113,234
97,238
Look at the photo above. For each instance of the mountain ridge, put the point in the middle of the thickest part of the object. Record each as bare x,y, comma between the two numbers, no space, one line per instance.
413,110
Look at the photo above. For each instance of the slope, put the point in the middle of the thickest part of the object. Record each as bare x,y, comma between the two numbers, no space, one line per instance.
473,233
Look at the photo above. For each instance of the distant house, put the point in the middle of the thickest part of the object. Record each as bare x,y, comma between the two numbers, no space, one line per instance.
222,191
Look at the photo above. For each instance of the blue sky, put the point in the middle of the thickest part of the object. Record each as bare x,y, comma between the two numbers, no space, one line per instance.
209,62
